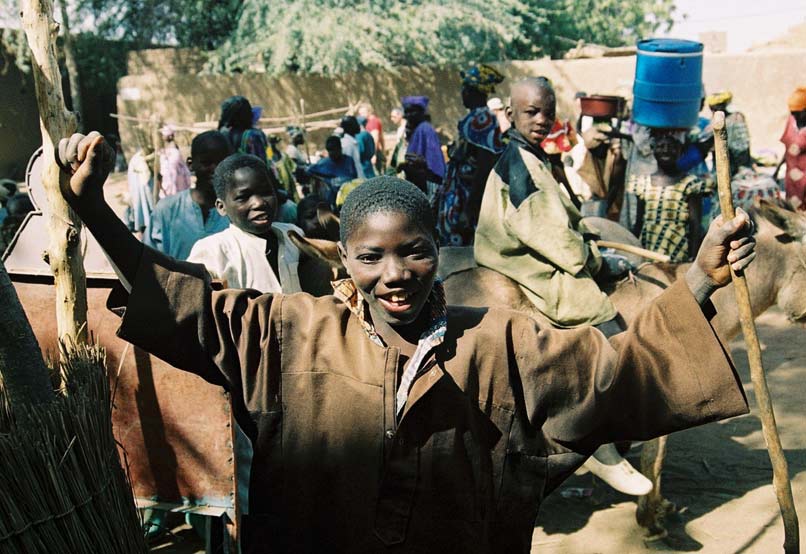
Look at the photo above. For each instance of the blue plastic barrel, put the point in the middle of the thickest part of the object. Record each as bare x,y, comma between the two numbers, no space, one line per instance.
668,83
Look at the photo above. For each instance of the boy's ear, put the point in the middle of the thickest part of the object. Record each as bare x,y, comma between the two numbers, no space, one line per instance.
220,208
508,113
342,253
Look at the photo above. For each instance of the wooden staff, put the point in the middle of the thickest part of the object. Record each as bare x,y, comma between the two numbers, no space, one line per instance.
155,142
302,111
637,250
780,471
64,254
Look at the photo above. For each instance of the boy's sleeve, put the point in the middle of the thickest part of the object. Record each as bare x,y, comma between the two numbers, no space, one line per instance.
173,313
667,372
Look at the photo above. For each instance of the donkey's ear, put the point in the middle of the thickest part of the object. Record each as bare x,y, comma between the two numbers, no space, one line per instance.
329,221
789,221
325,250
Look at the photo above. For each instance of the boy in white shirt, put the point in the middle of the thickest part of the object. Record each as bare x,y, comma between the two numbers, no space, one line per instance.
254,251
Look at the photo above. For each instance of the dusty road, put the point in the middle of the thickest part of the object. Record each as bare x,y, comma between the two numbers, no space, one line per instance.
718,475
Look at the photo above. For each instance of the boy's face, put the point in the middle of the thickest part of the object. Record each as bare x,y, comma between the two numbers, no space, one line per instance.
800,118
532,112
393,262
250,202
203,162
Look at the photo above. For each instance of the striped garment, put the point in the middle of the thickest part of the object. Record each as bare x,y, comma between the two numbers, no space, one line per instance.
666,212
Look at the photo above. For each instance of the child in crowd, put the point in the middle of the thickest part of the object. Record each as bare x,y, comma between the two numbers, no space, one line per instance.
383,420
254,251
334,170
178,221
669,200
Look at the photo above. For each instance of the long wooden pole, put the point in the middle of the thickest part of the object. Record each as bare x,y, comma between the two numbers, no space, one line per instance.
780,470
304,129
155,166
636,250
64,228
72,66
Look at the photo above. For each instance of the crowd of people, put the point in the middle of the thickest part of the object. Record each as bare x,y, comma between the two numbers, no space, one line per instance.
514,185
509,187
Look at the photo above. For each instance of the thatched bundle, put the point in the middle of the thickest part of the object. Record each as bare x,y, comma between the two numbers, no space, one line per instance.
62,488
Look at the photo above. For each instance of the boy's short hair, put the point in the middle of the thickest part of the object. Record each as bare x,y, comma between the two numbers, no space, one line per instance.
385,194
209,140
222,178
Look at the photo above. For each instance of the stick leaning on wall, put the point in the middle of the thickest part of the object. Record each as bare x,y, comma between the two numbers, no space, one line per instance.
780,470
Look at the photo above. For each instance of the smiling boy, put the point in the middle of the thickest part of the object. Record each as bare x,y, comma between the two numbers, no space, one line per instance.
254,251
385,421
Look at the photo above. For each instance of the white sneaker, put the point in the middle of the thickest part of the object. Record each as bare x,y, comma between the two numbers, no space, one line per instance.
617,472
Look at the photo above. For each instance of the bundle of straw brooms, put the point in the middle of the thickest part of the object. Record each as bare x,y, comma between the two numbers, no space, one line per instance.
62,487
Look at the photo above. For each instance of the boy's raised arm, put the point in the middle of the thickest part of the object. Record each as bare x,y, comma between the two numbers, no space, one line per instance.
87,160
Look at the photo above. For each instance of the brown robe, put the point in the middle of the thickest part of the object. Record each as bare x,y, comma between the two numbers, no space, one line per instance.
501,414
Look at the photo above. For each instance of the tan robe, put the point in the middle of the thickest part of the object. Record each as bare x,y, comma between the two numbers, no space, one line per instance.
542,244
503,412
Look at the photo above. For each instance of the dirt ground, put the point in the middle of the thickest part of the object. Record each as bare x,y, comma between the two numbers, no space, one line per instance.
718,475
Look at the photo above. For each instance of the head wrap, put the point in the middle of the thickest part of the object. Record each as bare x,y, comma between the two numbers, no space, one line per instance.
293,131
495,104
420,101
481,77
797,100
167,131
719,98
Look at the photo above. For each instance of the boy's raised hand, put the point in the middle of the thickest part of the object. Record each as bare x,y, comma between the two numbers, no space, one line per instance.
87,159
728,244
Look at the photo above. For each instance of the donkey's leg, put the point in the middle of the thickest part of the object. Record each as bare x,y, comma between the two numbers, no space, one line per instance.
652,508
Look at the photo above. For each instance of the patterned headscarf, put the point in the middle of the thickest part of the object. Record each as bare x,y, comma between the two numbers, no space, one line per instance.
481,77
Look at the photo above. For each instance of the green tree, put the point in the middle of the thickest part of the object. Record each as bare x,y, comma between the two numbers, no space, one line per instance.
146,23
605,22
333,36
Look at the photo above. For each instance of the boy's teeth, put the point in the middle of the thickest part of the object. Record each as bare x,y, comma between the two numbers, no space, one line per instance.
397,298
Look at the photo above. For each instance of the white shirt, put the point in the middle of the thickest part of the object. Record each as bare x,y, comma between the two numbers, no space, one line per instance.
349,147
240,259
